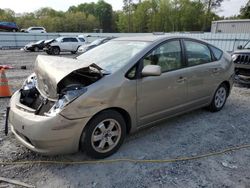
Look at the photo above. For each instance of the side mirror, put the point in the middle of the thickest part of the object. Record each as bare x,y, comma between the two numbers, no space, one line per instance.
151,70
239,47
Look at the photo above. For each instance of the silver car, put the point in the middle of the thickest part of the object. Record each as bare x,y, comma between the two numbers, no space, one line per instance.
91,103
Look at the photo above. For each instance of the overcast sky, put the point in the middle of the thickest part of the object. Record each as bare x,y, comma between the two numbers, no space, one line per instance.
229,7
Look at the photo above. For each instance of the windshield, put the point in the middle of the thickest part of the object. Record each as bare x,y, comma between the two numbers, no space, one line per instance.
247,46
38,42
113,55
58,39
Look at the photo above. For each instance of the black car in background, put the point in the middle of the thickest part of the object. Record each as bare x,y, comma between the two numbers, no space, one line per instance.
34,46
93,44
241,58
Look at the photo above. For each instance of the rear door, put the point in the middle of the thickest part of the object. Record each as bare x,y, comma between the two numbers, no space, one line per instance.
161,96
66,44
74,44
203,72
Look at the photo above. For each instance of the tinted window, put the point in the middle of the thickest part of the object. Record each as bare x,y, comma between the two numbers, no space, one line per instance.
168,56
197,53
66,40
36,28
217,52
73,40
81,39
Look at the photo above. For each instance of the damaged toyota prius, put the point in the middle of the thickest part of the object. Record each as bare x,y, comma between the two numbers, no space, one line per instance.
92,102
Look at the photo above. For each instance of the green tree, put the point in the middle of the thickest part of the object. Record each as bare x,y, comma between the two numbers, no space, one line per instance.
210,6
7,15
245,11
104,12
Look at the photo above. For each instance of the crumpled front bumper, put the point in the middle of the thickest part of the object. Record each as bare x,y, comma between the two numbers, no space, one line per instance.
242,79
45,135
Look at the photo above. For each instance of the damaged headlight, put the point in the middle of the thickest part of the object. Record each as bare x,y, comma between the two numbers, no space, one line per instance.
30,82
69,94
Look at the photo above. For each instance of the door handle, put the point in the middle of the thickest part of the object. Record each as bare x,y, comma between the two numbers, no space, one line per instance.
181,79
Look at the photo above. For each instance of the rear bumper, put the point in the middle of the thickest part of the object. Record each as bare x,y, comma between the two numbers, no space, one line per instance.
45,135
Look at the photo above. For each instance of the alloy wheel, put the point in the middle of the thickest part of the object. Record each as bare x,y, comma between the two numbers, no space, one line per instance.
106,135
220,97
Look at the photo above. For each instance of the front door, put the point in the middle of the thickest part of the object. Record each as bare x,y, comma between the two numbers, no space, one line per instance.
159,97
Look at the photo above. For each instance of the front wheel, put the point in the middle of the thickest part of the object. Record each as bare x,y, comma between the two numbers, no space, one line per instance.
36,49
219,99
104,134
55,51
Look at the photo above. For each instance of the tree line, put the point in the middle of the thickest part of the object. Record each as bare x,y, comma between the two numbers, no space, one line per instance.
136,16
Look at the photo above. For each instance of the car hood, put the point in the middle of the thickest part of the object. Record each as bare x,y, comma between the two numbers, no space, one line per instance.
51,70
48,41
242,51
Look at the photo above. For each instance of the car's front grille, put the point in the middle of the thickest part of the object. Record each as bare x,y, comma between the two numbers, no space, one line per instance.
243,59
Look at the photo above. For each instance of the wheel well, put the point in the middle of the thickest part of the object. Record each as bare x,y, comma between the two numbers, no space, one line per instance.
227,84
124,114
56,47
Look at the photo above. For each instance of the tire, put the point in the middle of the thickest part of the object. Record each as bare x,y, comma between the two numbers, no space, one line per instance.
36,49
104,134
219,99
55,50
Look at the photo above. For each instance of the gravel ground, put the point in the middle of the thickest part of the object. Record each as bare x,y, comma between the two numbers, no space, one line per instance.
191,134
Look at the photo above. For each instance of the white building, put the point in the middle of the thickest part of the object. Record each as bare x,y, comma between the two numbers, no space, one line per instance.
231,26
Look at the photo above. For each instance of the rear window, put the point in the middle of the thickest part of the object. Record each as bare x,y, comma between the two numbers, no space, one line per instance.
36,28
217,52
81,39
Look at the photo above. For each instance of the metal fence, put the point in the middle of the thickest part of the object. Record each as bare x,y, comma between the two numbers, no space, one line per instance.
227,42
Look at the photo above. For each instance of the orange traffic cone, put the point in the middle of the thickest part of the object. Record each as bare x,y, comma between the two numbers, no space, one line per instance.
4,87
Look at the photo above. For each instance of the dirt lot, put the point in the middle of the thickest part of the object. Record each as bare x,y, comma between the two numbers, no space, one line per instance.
191,134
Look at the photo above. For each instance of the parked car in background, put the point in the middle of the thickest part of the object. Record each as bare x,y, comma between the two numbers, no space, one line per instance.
64,44
34,46
8,26
241,58
35,30
93,44
92,102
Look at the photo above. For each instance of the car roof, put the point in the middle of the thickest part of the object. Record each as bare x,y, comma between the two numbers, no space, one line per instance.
36,27
154,38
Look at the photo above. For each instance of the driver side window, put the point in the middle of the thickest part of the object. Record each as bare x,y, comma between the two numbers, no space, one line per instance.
167,55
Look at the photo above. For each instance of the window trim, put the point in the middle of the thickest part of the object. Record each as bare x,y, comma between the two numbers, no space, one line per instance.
158,45
200,42
214,58
136,66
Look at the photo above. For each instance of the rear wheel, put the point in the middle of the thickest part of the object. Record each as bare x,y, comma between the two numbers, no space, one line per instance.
55,51
219,99
104,134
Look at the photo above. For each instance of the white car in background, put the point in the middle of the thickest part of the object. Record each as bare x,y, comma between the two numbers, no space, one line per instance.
64,44
36,30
